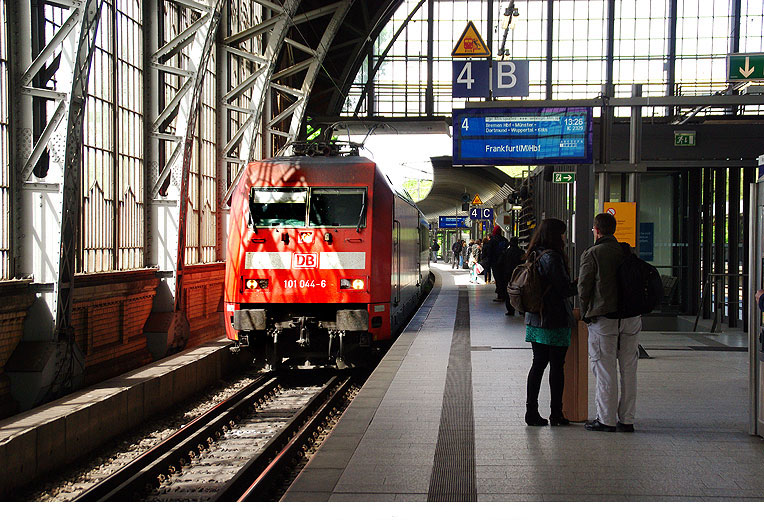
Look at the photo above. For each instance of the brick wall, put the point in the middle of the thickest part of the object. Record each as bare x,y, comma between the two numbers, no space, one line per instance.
109,312
203,301
16,297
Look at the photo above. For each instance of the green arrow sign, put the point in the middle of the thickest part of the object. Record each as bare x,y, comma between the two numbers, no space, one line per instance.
563,177
745,67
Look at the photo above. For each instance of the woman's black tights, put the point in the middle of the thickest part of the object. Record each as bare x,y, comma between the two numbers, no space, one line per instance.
544,355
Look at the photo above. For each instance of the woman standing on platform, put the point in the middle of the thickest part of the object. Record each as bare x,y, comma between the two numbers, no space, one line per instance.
549,330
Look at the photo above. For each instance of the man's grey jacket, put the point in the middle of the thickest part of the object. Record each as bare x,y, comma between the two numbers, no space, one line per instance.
597,280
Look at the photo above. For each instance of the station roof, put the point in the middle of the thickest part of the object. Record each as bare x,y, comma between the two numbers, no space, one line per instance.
449,183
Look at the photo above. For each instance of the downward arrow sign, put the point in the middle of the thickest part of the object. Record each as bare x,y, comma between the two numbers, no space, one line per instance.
748,70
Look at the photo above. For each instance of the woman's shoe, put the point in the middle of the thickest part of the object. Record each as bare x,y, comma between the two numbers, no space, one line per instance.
535,419
558,420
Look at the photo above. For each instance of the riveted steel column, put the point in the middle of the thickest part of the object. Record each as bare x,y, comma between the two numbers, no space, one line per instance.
167,328
49,203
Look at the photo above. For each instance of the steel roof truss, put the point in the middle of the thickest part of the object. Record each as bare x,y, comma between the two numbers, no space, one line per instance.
252,32
236,139
288,89
71,22
286,113
181,40
315,66
246,55
243,86
301,47
172,69
174,105
42,143
291,70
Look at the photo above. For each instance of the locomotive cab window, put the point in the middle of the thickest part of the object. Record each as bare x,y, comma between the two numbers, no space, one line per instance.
338,207
277,207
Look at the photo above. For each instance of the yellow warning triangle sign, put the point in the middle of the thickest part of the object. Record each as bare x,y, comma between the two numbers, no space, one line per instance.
477,200
471,44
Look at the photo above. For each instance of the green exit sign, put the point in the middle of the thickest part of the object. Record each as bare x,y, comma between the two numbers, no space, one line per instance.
563,177
684,138
745,67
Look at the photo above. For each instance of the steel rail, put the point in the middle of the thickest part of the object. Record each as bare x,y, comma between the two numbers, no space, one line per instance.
256,478
144,469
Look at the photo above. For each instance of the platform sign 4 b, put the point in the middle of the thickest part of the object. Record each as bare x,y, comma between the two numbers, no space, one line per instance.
476,78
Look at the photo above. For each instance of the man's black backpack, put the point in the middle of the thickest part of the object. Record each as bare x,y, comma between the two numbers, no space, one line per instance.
640,288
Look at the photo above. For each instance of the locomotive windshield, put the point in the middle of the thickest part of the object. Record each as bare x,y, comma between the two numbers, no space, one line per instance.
338,207
278,207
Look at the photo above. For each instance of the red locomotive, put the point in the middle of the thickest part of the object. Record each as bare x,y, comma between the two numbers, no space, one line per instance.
325,259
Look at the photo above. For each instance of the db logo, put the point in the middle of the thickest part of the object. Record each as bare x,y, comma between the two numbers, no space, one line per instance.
305,260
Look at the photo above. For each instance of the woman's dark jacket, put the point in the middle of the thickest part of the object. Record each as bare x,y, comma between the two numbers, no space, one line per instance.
558,309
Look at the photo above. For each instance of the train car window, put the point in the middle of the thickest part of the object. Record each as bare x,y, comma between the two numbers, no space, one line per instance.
338,207
278,207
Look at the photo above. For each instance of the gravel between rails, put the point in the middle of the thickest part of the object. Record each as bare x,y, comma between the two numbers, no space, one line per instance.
68,483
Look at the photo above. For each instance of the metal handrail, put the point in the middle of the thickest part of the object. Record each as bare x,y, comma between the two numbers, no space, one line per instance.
706,284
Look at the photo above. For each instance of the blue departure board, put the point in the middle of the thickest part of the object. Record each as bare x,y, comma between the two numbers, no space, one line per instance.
522,136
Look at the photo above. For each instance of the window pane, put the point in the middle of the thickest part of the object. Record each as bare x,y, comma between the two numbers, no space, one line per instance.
278,207
337,207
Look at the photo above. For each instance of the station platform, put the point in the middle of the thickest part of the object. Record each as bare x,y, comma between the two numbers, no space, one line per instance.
441,419
58,433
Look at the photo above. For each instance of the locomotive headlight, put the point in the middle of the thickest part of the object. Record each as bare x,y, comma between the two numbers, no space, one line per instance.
254,284
352,284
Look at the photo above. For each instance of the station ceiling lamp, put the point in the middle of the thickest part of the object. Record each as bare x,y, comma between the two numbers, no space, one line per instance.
508,21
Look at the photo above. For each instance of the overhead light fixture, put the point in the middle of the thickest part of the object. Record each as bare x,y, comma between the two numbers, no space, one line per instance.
508,21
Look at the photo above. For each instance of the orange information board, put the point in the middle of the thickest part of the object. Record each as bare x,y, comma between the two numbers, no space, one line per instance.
625,220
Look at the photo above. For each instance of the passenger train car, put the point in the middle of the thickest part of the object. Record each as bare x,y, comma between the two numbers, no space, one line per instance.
326,258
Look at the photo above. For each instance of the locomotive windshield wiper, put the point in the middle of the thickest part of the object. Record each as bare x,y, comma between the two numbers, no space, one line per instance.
360,217
253,219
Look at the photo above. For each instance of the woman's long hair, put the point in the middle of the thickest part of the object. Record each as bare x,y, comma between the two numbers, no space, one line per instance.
548,235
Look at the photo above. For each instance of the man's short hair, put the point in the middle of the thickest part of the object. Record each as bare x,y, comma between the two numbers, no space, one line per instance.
605,223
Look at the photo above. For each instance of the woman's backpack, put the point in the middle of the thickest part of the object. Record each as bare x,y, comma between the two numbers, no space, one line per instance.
526,288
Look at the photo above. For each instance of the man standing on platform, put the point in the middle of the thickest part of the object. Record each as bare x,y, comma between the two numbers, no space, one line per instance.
613,342
497,244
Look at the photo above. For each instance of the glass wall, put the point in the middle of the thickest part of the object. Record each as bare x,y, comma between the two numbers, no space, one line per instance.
112,164
641,55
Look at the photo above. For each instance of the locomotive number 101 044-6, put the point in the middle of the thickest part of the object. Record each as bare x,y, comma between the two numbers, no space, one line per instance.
303,283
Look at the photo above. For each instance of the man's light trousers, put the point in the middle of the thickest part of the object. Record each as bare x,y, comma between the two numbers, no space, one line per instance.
613,347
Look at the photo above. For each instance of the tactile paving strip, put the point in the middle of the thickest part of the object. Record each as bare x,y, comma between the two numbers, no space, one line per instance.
453,472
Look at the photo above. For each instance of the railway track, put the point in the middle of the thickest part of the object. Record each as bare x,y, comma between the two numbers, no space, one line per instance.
237,451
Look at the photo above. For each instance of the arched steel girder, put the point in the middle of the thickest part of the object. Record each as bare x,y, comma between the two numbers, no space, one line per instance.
244,139
266,81
73,43
198,38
